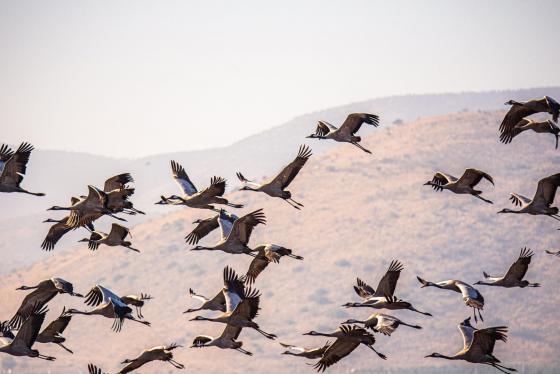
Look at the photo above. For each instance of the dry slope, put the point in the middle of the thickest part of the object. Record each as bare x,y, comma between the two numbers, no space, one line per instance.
361,212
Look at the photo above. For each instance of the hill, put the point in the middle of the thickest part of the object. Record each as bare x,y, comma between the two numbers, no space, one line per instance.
360,212
64,174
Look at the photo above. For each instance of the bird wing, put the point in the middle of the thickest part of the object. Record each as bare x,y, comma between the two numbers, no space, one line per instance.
182,179
32,301
515,114
469,292
225,222
467,332
290,171
233,290
5,154
100,294
324,128
217,187
259,263
441,179
219,298
337,351
519,200
388,283
231,332
118,232
203,228
507,136
355,120
383,323
519,268
117,182
363,289
58,325
471,177
554,107
546,190
56,231
243,227
16,166
249,305
484,340
27,333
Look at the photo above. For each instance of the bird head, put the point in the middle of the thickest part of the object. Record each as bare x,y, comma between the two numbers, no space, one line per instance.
50,220
510,102
505,210
435,354
86,240
312,333
54,207
127,361
352,321
198,318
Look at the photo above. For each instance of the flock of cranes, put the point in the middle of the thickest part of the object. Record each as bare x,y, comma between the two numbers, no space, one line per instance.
236,301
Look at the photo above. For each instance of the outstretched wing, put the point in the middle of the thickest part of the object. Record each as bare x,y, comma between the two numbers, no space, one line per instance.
519,268
16,166
441,179
234,289
217,187
58,325
117,182
56,231
355,120
118,232
27,334
324,128
243,227
484,340
363,289
259,263
289,172
33,301
515,114
203,228
92,369
5,154
249,305
388,283
546,190
519,200
182,179
336,352
471,177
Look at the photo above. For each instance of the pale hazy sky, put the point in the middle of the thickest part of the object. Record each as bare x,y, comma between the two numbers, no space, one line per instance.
133,78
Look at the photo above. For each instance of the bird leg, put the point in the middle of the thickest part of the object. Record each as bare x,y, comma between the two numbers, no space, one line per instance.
474,314
265,334
292,200
381,355
235,205
480,315
502,368
483,199
555,216
295,206
139,312
362,148
176,364
48,358
62,345
115,217
142,322
134,249
244,351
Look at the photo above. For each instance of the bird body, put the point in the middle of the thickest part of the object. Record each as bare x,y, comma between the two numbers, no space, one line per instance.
464,185
227,340
541,202
383,323
42,293
276,187
238,239
191,196
515,274
13,166
478,346
116,237
108,305
21,344
347,131
160,353
471,296
53,332
266,254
